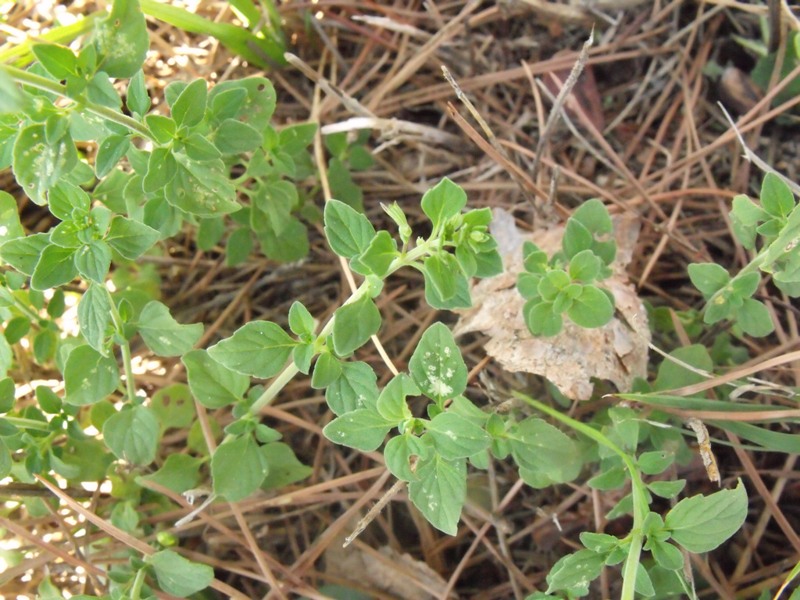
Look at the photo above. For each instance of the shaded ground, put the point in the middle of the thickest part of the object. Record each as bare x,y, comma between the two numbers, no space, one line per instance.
648,138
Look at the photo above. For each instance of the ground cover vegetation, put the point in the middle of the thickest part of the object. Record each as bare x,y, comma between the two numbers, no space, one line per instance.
287,313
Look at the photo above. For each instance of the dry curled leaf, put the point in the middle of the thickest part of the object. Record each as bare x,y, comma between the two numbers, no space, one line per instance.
570,360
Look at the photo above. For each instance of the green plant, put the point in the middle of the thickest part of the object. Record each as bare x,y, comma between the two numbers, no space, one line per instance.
260,40
215,159
777,222
566,282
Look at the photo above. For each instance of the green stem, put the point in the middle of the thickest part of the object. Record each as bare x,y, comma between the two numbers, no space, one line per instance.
638,491
125,348
48,85
26,310
291,370
23,423
138,582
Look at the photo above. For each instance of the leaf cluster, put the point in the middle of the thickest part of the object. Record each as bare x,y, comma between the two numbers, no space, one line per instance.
567,282
775,221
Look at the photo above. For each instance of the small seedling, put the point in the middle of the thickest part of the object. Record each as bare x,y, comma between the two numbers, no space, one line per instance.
567,283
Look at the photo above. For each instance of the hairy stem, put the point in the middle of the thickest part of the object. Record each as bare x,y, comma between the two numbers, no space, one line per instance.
48,85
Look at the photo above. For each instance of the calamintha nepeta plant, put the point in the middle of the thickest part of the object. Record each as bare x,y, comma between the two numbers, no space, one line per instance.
155,171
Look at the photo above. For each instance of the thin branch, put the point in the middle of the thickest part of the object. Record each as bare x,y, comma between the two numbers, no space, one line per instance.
558,105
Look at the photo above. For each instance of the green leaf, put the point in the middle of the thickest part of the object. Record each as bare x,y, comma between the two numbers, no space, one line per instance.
259,348
391,403
363,429
665,554
180,576
131,238
284,468
93,261
16,329
442,202
7,394
592,308
137,99
456,437
121,39
355,388
577,239
584,267
6,356
398,453
655,462
437,366
174,406
541,319
238,246
67,200
57,60
132,435
672,374
161,169
101,91
162,128
10,226
209,233
754,318
745,285
643,584
39,163
380,253
439,491
774,441
110,151
709,278
238,468
258,103
575,572
290,245
190,107
199,148
12,101
201,188
302,354
538,446
5,460
343,186
593,215
94,316
296,138
702,523
534,258
667,489
327,369
180,472
235,137
354,324
461,298
89,376
441,271
212,384
349,233
746,215
300,320
23,253
163,334
776,197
